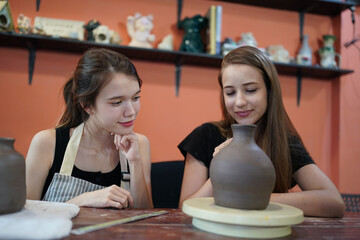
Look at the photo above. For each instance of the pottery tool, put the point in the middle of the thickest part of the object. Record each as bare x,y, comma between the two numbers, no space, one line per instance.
95,227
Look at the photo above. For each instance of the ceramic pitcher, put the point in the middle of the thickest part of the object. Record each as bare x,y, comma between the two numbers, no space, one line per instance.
327,53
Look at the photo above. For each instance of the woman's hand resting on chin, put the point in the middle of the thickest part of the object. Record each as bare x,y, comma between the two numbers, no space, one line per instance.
129,145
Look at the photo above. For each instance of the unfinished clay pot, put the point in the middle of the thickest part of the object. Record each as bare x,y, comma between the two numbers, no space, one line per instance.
242,175
12,177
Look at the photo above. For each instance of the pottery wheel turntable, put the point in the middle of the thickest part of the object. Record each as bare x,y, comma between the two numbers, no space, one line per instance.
273,222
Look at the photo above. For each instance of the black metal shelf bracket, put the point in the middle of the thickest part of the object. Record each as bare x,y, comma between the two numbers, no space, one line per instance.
32,56
178,66
298,73
298,92
37,5
179,9
301,28
178,63
301,24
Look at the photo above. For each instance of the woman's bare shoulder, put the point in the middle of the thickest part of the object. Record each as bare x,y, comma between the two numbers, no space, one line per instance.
142,139
144,146
43,141
45,136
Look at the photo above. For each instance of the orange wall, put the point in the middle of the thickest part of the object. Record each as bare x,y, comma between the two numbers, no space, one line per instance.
167,119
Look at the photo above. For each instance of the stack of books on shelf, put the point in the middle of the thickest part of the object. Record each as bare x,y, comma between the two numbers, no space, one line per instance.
213,33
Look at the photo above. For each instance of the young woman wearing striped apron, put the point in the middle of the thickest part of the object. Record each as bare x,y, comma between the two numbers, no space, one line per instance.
93,158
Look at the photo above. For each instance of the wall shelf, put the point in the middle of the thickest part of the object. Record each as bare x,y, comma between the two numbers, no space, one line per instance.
320,7
39,42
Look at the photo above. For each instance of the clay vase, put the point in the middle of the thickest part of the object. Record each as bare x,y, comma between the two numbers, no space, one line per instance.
304,56
12,177
241,174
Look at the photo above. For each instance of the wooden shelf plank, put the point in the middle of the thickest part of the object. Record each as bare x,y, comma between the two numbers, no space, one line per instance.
155,55
320,7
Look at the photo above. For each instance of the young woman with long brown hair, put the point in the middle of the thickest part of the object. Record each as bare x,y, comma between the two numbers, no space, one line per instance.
93,157
251,94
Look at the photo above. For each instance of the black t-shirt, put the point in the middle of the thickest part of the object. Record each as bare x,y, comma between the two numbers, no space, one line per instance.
203,140
102,179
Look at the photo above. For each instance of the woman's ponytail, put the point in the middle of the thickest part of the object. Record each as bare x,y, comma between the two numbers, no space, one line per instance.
74,114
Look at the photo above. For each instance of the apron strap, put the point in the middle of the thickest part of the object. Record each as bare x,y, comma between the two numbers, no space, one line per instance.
70,156
125,180
71,151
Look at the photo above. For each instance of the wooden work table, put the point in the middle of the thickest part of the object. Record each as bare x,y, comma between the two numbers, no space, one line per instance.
177,225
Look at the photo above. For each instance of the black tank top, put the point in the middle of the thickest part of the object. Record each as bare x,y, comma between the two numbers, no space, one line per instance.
103,179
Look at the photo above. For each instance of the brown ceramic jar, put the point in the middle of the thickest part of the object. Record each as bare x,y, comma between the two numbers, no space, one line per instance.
12,177
242,175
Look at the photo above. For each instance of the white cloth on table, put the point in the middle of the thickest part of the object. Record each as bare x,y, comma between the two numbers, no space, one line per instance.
39,220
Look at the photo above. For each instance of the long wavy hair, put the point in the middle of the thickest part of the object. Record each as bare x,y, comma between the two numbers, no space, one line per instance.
274,128
94,71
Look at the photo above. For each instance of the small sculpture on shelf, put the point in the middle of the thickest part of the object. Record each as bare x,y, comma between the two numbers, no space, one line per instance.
103,34
23,24
166,43
89,28
247,39
327,53
278,53
304,56
192,40
59,28
139,29
6,20
227,45
115,37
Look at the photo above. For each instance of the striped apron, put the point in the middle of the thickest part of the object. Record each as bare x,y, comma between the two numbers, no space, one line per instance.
64,187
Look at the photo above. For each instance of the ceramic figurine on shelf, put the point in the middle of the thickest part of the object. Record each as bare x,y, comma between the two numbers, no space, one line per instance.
115,37
278,53
59,28
192,41
89,28
166,43
327,53
23,24
102,34
304,56
247,39
227,45
139,29
6,20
